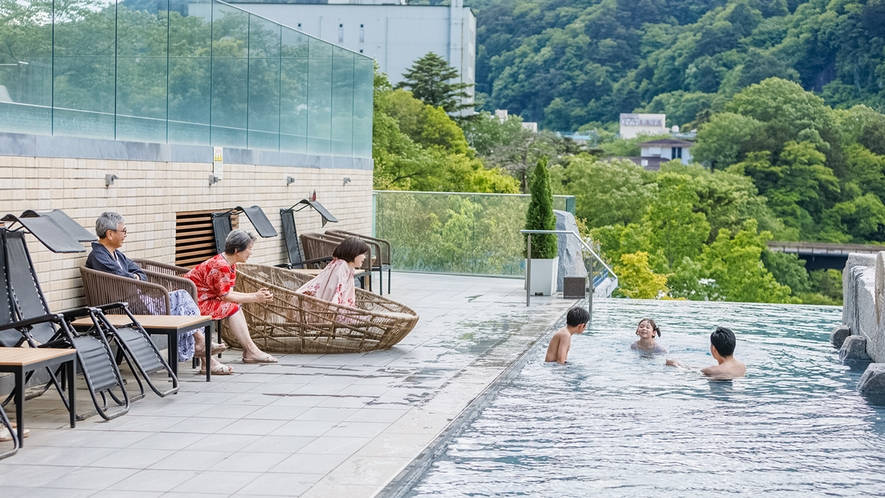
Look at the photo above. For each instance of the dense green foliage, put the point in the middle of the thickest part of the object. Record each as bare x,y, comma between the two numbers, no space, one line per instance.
566,63
417,146
539,215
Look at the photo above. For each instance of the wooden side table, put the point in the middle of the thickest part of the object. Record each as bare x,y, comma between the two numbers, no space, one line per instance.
20,361
168,325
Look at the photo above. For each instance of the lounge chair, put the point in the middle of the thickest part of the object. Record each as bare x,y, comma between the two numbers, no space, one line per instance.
25,318
293,243
222,224
381,256
138,350
295,323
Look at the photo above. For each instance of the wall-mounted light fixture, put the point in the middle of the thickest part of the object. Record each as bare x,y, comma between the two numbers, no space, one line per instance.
346,180
109,179
289,180
213,180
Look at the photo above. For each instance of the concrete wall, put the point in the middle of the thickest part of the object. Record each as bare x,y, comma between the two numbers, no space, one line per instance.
154,182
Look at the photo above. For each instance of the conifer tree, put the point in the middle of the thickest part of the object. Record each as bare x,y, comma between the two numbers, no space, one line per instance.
431,81
540,213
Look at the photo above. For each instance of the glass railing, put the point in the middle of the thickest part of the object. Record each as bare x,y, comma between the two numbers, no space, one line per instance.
200,72
456,232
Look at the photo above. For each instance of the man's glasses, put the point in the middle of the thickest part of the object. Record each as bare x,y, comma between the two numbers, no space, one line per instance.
123,230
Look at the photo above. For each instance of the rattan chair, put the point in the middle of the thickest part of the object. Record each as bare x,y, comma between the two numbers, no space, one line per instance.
381,254
320,245
295,323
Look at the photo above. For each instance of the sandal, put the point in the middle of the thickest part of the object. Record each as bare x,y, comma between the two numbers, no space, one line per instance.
216,349
219,369
5,436
264,358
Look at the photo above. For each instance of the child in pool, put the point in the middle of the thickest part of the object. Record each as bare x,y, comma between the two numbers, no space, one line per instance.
646,332
722,342
575,323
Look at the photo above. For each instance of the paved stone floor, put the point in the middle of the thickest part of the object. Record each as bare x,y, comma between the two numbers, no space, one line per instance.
312,425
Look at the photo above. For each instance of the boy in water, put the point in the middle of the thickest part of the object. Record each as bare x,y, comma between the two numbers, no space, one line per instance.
722,342
561,342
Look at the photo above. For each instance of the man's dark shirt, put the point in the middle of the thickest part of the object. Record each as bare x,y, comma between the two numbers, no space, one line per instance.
101,259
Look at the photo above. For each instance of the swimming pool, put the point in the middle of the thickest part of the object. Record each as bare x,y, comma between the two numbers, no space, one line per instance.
617,422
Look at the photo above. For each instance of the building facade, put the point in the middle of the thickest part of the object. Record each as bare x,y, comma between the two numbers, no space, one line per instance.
394,34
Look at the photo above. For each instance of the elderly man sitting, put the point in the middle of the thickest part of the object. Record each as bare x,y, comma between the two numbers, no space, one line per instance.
107,257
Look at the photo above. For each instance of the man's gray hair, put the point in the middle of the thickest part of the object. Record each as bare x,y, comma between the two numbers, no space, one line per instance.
238,241
107,221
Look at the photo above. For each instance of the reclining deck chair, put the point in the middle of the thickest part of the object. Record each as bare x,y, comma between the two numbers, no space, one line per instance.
24,317
222,225
293,243
296,323
137,348
381,257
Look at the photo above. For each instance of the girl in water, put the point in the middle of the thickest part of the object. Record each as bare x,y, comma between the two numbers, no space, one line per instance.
646,331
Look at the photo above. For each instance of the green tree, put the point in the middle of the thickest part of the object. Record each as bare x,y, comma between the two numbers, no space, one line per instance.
431,80
637,280
735,266
539,215
675,228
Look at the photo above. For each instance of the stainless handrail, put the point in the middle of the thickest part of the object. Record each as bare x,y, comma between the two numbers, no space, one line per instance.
528,264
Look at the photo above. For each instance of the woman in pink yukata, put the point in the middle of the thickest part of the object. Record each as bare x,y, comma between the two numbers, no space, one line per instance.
335,282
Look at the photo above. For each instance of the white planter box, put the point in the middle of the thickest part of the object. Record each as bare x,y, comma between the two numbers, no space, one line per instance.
543,276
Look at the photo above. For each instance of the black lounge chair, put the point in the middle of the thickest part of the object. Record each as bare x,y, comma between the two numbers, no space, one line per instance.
222,225
96,360
293,243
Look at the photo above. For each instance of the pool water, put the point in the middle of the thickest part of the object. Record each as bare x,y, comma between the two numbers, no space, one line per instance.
617,422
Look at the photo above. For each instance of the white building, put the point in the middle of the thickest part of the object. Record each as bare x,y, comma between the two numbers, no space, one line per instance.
656,152
648,124
395,34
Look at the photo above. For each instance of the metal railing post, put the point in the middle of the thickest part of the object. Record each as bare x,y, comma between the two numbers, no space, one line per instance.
592,289
528,269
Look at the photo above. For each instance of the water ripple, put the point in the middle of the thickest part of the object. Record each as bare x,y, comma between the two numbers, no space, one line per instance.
614,422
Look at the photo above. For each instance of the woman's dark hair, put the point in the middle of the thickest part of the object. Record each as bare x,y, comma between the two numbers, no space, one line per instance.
238,241
350,249
654,326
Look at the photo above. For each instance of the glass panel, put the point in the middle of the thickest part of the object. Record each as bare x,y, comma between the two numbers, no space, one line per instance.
199,72
264,84
319,91
459,233
189,71
84,70
230,76
141,73
293,91
26,69
342,102
363,88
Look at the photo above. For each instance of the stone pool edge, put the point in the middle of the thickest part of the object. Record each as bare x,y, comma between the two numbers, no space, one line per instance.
403,483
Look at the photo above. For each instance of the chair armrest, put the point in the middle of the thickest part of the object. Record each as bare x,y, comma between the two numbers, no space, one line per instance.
172,283
55,318
144,298
157,267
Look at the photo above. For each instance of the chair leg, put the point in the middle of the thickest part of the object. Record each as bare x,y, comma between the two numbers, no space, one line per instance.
388,279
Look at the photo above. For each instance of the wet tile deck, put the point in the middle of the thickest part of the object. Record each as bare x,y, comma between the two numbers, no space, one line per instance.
312,425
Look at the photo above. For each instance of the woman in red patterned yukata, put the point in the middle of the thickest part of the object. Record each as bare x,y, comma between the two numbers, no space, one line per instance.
215,280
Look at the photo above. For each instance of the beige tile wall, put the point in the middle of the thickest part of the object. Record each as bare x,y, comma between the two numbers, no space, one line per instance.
148,194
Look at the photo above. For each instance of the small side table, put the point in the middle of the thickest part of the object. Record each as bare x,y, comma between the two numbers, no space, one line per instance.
168,325
20,361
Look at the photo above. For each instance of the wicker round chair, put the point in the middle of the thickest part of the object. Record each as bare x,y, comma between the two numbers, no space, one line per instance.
295,323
